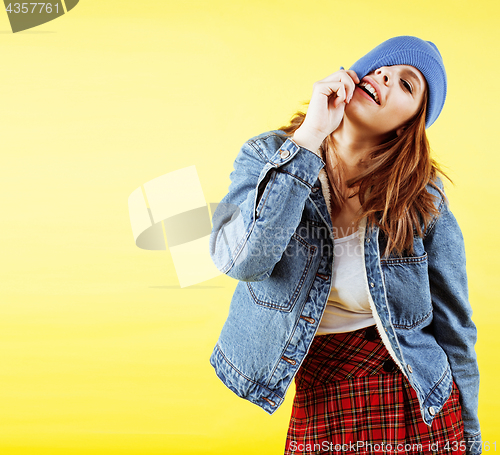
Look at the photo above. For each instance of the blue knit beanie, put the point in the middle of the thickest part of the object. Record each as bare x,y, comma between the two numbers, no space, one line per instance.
410,50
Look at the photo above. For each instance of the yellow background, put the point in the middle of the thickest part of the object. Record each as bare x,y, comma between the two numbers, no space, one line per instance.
101,351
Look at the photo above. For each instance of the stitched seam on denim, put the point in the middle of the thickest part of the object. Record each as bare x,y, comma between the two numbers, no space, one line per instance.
447,371
415,324
240,245
296,292
312,222
262,203
256,147
304,242
296,177
325,223
244,239
243,375
435,219
407,260
238,249
309,225
290,337
380,327
254,143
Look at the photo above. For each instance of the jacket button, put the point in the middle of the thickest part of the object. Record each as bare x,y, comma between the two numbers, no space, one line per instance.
372,284
432,411
410,369
324,277
371,333
284,154
368,240
271,402
308,319
389,365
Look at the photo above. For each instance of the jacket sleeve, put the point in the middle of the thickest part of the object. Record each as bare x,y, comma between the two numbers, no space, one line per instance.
255,221
453,327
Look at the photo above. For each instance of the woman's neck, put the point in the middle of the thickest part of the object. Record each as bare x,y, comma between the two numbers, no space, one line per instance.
352,147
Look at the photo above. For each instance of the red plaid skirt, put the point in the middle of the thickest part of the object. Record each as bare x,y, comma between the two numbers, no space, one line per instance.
351,398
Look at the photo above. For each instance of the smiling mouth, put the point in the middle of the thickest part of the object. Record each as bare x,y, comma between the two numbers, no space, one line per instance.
370,90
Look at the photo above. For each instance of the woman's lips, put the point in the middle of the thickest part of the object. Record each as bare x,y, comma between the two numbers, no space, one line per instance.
363,93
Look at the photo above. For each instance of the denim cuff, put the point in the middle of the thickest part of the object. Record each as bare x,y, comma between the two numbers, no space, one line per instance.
298,161
474,444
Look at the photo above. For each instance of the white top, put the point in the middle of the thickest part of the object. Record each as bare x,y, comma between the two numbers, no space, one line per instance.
348,306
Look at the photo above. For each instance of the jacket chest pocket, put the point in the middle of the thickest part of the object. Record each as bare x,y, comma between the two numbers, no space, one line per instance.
286,285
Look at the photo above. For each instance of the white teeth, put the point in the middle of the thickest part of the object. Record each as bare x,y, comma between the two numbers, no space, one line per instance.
370,88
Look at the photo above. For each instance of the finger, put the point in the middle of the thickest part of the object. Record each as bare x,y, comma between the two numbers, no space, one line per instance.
348,78
327,87
349,85
337,76
352,86
354,76
341,96
341,88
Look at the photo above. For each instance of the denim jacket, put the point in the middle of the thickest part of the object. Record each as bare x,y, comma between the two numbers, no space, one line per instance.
273,232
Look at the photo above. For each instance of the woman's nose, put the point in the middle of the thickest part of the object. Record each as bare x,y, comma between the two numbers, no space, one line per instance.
384,73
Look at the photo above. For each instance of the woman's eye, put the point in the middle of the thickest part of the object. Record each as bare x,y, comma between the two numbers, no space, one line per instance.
406,85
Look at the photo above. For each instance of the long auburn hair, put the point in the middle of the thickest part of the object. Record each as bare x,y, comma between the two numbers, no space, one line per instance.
392,188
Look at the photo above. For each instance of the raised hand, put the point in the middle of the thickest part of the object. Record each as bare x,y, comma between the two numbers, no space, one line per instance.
326,108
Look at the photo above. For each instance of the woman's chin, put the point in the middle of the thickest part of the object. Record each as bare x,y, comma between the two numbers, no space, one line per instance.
366,123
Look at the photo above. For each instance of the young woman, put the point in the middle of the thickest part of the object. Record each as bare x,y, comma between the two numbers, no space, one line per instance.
352,268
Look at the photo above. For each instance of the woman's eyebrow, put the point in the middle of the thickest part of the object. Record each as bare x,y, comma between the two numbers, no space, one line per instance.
411,74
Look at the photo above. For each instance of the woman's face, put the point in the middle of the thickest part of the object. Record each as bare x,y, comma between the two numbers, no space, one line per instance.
397,93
